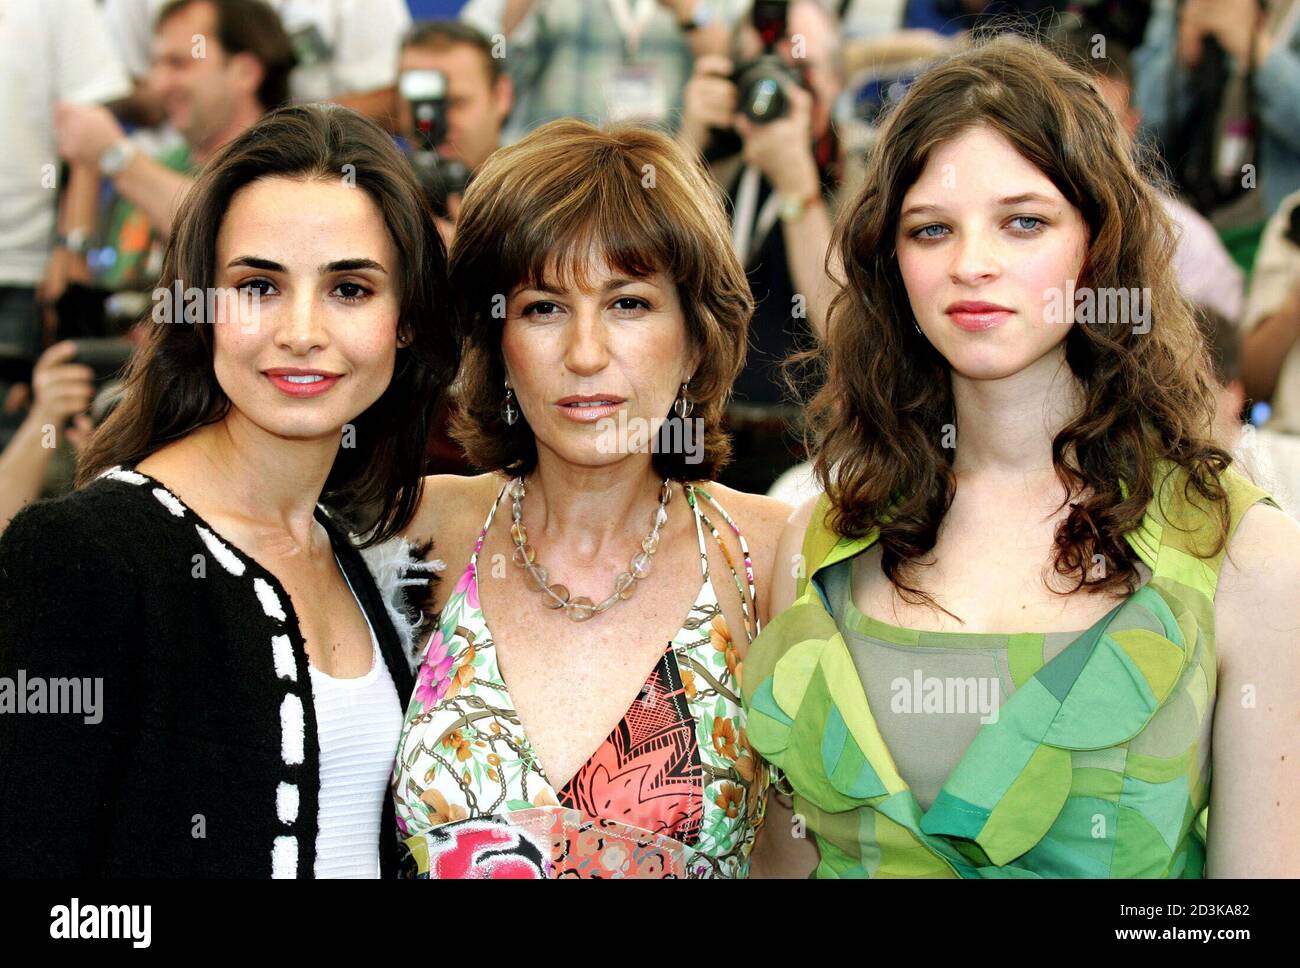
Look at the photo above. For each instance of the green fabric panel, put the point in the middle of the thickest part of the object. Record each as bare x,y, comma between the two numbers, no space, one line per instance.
1058,675
1071,848
1098,784
803,762
1030,806
1186,569
1111,758
845,688
1109,702
848,769
1164,805
1002,749
899,853
794,673
1024,656
1140,850
954,817
1154,769
1158,662
818,539
766,726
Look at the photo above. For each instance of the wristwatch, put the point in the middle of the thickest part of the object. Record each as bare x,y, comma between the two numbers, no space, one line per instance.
76,241
701,16
792,207
116,157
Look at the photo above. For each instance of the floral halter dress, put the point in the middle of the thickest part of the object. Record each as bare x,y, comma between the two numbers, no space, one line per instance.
675,790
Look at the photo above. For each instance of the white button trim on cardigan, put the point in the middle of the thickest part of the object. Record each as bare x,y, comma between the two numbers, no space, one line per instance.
225,557
269,599
169,502
293,732
284,858
286,803
282,649
127,477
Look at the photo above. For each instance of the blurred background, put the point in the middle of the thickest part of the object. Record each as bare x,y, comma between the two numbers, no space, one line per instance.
111,107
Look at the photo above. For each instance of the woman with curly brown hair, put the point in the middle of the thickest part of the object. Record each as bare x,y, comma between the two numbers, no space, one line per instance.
1032,573
578,712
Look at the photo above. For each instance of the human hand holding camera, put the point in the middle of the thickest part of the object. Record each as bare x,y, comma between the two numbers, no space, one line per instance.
782,149
1233,23
62,389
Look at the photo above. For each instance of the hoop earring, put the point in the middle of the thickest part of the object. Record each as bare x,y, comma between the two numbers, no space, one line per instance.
682,406
508,412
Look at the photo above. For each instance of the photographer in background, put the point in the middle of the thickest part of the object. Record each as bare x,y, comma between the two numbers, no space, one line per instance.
54,51
1217,83
460,127
762,119
345,50
209,100
1270,346
601,60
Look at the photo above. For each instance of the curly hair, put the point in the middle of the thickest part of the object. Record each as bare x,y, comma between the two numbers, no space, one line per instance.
876,424
535,209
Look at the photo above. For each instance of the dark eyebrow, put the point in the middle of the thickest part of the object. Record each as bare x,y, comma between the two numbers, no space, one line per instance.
253,262
351,265
340,265
1007,202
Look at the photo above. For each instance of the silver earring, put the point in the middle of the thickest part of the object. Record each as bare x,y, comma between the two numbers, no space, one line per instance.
682,406
508,412
917,326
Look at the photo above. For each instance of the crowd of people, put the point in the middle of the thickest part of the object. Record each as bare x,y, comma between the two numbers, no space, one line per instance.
861,344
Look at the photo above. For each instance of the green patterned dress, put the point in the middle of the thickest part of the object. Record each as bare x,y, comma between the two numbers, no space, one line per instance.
1096,766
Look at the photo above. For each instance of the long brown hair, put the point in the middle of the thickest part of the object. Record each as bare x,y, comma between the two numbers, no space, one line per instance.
876,425
171,388
536,207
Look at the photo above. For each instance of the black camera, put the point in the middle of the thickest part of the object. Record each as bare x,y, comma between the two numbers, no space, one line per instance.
761,83
426,92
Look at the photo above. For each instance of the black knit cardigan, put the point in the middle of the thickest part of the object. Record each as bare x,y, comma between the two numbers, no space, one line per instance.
206,760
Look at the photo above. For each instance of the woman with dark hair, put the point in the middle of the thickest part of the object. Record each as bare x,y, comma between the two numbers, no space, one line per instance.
1026,533
240,681
578,710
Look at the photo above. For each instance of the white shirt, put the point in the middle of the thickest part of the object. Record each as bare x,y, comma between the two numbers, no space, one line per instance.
358,724
50,50
363,36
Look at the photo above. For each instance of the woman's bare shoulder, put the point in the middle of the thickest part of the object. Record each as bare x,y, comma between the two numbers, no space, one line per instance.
450,502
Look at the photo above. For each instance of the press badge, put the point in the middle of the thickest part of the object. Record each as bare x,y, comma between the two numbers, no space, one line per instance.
636,92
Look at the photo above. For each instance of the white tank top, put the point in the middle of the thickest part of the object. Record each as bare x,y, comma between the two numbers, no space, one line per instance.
359,722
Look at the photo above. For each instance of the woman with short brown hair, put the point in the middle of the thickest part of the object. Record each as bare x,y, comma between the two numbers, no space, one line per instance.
606,317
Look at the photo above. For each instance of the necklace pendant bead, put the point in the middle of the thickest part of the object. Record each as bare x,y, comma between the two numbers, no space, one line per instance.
641,563
517,489
539,576
650,543
518,533
524,555
557,596
581,608
661,517
624,585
